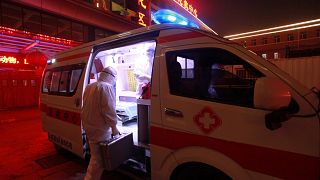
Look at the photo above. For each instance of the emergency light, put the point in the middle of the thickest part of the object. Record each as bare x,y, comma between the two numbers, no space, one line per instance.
166,16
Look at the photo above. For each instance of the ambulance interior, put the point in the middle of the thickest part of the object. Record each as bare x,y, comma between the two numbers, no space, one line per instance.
133,64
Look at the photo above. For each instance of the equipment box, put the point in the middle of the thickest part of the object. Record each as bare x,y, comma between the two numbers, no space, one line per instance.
116,150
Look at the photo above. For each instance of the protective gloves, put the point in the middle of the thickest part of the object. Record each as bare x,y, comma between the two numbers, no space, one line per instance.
115,132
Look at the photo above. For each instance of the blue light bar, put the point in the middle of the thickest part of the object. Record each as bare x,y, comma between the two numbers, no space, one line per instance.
166,16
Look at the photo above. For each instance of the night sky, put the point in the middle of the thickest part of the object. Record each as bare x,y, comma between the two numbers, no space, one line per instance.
228,17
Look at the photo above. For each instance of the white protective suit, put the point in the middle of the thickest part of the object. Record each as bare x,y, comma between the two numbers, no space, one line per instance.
99,118
143,70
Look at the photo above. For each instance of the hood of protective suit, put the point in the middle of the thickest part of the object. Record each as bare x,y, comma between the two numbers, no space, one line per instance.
108,75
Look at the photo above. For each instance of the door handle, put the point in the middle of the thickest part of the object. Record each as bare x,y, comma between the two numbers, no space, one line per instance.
173,112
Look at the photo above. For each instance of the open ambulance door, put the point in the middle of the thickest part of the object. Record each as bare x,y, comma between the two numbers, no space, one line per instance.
133,62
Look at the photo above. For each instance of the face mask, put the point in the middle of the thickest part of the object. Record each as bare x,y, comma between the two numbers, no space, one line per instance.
113,82
114,87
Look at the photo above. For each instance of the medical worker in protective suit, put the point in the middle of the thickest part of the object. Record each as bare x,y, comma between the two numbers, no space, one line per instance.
99,117
143,69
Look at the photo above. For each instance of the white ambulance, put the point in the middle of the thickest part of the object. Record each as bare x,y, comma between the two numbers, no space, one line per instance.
215,110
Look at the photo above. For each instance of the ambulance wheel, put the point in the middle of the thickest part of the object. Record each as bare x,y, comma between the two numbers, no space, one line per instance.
195,171
60,149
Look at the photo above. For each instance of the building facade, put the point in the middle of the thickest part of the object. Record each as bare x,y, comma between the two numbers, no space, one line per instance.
288,41
33,30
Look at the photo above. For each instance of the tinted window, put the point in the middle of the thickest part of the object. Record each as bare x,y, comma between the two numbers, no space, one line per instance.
32,21
75,76
49,25
64,28
12,16
218,76
187,67
63,80
55,81
47,81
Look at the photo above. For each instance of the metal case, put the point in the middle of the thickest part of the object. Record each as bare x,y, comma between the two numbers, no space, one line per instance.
116,150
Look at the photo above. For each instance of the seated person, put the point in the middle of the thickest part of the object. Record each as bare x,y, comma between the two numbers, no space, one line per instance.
217,74
175,72
143,70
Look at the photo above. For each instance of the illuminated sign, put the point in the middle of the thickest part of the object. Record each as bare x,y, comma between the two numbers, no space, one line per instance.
141,20
144,12
188,7
51,39
26,34
8,60
11,60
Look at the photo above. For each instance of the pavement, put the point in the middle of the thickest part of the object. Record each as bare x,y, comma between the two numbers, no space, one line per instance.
26,153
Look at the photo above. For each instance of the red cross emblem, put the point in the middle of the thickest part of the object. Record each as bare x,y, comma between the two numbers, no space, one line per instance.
207,120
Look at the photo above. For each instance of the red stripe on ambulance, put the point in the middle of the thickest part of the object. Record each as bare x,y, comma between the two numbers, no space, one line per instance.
85,54
178,37
63,115
269,161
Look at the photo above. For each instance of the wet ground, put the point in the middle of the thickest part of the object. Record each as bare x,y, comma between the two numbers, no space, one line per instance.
26,153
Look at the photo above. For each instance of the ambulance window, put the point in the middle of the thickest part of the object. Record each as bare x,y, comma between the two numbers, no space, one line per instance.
75,76
187,67
211,74
63,81
46,82
55,81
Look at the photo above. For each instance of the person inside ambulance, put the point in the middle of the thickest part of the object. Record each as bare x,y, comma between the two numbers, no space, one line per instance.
143,70
175,73
216,75
99,117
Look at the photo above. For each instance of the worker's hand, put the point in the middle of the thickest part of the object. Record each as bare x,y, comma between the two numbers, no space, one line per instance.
115,131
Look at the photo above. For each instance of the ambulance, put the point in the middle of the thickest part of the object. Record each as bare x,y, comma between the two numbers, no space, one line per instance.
206,108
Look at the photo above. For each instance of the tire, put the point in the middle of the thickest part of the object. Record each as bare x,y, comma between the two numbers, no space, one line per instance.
197,171
60,149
